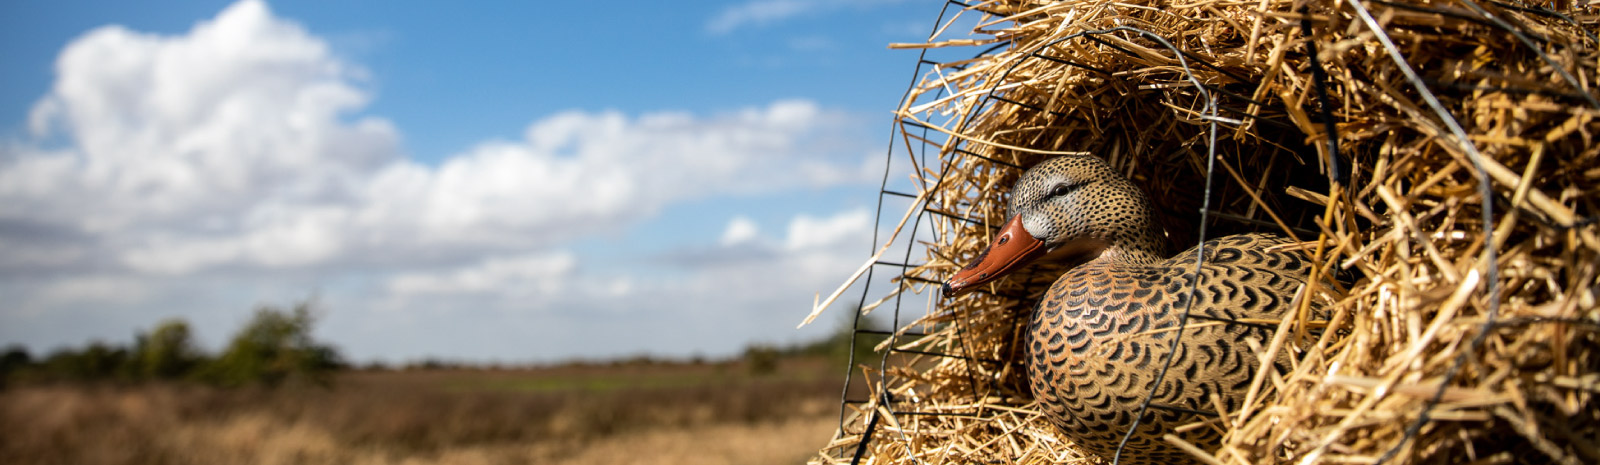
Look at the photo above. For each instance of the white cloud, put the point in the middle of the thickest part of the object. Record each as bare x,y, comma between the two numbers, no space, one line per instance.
806,232
812,254
756,13
232,146
233,161
740,230
169,128
755,289
86,289
537,272
577,174
190,141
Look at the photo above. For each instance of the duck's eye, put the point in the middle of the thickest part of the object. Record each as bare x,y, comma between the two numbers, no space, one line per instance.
1063,189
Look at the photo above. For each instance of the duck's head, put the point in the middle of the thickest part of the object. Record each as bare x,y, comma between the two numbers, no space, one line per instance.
1074,207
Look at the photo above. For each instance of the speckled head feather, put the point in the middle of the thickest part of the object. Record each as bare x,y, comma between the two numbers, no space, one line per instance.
1078,198
1074,208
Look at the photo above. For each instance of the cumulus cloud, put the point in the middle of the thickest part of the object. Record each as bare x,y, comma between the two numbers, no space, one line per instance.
583,170
200,135
177,127
237,155
541,272
740,230
235,146
807,232
812,254
573,174
707,297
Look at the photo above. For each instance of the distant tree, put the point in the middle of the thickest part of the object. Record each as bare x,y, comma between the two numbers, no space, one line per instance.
761,359
275,346
428,364
97,362
167,352
865,344
15,359
845,342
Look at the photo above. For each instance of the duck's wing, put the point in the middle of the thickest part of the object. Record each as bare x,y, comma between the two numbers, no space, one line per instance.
1100,335
1244,276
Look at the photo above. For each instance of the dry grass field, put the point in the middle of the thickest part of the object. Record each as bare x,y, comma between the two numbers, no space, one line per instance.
712,413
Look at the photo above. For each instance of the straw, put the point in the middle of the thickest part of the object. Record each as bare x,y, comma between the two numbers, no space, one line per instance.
1438,158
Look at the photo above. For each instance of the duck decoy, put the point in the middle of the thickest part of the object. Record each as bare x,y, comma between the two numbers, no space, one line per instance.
1098,337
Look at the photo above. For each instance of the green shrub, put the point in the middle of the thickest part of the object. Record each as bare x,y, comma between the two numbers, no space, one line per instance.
274,347
167,352
761,359
97,362
15,359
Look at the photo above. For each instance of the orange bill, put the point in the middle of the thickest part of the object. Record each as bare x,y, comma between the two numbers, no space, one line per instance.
1012,249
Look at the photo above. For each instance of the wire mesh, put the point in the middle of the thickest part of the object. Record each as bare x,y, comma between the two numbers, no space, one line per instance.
925,150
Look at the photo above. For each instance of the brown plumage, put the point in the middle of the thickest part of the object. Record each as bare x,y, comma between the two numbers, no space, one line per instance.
1098,337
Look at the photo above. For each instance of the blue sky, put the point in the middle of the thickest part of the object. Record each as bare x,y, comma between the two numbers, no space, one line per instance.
488,182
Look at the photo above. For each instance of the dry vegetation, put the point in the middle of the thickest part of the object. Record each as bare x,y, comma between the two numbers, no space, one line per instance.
625,413
1462,234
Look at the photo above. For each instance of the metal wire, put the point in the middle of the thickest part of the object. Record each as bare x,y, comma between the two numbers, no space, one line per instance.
885,403
883,189
884,399
1320,81
1485,192
1210,115
1200,251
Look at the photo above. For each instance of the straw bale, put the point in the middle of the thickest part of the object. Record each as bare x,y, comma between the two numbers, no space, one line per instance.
1447,339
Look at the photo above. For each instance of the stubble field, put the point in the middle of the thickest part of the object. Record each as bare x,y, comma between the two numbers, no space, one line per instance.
628,413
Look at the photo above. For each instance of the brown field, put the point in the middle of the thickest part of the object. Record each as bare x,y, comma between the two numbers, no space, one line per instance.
626,414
